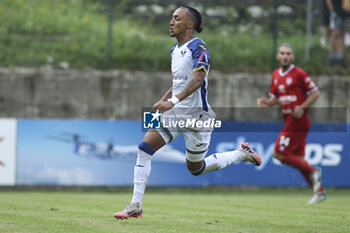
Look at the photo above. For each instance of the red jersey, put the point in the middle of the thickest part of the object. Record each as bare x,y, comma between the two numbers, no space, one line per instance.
292,88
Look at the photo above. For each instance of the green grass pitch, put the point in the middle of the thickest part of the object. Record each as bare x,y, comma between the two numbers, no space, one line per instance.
175,210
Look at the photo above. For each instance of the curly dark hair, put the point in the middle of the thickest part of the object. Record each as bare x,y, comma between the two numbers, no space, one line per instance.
196,16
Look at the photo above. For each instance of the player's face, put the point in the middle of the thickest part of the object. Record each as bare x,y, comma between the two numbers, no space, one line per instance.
285,56
179,22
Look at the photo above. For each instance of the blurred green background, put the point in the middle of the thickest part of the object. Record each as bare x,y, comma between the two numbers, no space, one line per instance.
74,33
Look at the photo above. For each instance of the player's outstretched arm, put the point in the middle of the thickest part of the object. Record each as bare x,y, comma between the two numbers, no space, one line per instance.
263,102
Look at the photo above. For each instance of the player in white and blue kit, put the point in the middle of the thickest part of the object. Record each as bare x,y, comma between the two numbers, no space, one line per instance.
190,64
190,68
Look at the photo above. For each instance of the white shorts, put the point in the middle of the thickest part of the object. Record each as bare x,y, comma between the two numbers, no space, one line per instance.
197,140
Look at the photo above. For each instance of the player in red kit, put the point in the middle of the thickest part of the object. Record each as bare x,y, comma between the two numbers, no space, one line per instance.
295,91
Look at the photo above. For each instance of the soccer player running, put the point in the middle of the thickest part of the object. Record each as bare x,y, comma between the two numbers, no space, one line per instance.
295,91
190,62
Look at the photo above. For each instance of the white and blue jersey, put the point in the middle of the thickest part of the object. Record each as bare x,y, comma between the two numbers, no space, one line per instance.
186,59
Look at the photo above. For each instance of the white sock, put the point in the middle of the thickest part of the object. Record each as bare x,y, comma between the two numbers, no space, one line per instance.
141,172
220,160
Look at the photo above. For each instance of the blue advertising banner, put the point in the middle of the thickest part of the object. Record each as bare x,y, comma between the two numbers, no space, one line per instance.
101,152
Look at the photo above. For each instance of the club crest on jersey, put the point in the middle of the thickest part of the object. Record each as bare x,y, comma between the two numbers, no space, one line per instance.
289,81
281,88
183,52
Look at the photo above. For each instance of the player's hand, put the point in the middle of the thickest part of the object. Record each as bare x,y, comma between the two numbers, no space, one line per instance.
262,102
155,106
162,106
298,112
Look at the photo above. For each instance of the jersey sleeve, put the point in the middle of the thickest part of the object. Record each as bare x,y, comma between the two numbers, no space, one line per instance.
200,55
273,89
307,83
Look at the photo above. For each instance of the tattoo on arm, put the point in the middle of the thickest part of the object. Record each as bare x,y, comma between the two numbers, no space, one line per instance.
192,85
188,87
